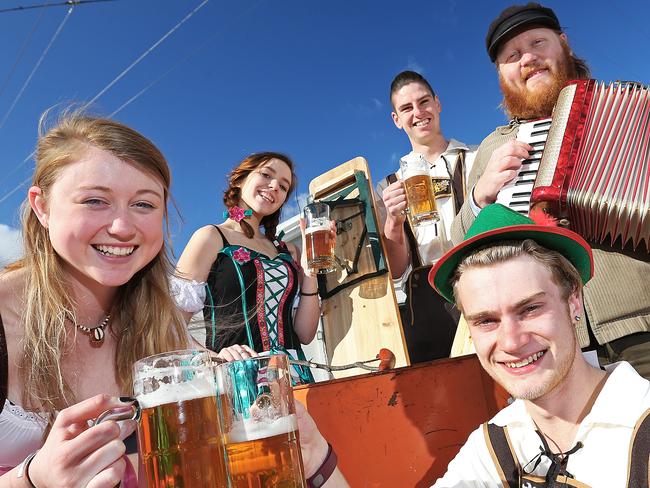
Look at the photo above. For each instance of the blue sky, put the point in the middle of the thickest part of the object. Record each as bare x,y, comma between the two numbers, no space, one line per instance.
303,77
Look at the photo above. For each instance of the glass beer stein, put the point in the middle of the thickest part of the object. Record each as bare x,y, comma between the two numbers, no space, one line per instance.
260,424
419,190
180,438
319,240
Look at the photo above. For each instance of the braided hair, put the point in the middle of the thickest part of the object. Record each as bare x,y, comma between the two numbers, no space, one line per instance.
236,178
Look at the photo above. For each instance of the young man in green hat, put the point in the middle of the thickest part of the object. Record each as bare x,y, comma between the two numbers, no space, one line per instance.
519,285
533,60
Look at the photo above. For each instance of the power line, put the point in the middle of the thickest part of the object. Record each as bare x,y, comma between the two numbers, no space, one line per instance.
16,168
69,3
38,63
176,65
146,53
140,58
21,53
16,188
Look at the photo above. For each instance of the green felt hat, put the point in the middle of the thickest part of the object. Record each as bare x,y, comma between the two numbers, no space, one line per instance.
498,223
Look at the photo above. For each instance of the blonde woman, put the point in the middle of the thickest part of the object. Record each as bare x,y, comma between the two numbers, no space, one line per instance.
89,298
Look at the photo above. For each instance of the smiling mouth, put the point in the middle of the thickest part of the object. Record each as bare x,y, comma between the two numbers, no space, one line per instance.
266,197
535,73
526,361
421,123
115,250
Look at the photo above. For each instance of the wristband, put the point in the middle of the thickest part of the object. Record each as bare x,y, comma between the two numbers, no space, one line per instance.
326,469
303,294
23,469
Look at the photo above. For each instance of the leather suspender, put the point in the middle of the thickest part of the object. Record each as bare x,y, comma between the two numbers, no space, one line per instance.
503,457
507,466
4,366
637,471
458,181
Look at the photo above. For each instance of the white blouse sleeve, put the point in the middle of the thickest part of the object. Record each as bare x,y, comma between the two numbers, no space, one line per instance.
189,295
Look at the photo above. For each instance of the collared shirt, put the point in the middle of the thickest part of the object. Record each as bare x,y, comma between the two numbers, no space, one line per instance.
605,434
433,240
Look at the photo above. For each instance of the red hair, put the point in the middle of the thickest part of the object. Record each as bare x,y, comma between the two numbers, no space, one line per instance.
236,179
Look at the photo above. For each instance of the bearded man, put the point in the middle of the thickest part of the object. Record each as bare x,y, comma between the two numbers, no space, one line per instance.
533,61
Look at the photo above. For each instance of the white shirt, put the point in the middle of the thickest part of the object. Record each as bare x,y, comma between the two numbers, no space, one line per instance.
605,434
433,240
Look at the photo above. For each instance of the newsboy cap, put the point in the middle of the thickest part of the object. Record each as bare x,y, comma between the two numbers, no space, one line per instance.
512,19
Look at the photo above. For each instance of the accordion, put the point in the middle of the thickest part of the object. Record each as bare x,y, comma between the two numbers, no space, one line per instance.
590,167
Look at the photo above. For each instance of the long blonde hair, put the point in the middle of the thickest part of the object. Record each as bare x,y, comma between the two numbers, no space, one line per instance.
144,318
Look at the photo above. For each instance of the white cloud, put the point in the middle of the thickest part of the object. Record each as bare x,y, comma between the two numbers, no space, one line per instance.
10,244
367,107
413,65
294,206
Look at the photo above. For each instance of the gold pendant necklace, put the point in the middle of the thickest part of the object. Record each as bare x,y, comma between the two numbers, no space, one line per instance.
95,334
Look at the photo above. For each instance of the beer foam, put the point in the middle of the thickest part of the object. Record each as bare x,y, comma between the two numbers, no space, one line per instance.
250,430
199,387
318,225
410,172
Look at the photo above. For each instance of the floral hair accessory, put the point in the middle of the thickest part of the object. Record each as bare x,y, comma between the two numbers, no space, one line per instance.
237,213
241,255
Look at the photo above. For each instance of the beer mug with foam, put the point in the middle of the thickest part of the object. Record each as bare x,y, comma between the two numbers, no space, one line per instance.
419,189
319,240
180,437
260,424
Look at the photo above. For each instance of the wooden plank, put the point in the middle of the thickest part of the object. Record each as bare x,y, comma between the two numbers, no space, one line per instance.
463,344
362,317
338,177
402,427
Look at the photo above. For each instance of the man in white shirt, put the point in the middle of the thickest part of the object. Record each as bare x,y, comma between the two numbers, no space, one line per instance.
519,285
411,250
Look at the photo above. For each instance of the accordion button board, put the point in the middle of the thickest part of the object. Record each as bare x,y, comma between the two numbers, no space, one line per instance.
516,194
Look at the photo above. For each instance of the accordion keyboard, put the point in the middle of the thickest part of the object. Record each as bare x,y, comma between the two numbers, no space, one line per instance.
516,194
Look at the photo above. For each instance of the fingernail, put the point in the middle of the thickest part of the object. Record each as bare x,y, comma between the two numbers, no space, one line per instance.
127,399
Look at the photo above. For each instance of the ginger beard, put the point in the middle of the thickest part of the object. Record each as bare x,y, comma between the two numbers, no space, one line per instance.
526,104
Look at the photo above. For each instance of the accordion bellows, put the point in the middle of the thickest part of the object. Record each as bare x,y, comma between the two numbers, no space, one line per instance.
594,173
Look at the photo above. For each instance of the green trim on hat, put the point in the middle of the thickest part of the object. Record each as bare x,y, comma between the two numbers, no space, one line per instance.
498,223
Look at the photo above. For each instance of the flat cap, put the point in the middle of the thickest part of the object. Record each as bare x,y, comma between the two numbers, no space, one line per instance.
512,19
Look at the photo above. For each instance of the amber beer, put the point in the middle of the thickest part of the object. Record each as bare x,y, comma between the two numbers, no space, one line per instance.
319,241
267,455
320,247
261,427
181,442
419,190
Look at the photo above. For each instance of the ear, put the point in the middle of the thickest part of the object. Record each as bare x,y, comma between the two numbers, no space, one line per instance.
575,305
437,104
39,205
396,120
564,38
